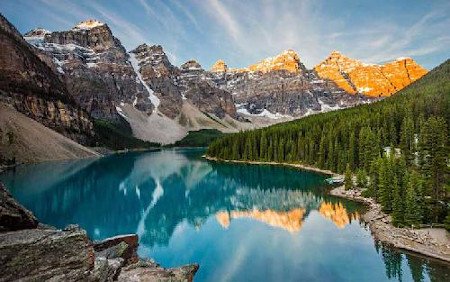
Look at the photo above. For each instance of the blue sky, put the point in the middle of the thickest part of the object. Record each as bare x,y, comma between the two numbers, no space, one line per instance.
243,32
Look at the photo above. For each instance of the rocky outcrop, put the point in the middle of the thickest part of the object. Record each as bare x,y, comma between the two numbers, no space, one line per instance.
31,86
95,67
14,216
288,61
40,253
369,79
219,66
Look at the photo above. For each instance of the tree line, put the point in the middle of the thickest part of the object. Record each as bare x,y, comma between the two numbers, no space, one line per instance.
398,147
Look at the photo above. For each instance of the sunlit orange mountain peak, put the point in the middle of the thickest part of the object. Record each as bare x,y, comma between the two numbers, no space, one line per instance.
369,79
287,60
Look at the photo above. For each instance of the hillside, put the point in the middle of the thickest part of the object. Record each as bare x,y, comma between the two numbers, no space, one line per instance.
415,121
28,141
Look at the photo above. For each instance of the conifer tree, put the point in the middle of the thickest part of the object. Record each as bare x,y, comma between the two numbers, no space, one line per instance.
413,209
348,178
361,178
397,206
384,177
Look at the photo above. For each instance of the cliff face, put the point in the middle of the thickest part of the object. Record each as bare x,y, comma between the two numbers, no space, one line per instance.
372,80
31,86
173,85
280,86
95,67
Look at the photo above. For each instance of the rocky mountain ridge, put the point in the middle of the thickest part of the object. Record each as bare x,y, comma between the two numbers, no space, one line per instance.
369,79
162,102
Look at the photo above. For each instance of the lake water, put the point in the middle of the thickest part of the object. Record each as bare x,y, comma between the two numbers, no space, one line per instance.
239,222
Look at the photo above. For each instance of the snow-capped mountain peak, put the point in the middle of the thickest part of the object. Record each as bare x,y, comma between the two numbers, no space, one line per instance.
88,24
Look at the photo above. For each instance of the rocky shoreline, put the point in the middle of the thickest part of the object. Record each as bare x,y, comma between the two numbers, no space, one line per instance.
31,251
379,223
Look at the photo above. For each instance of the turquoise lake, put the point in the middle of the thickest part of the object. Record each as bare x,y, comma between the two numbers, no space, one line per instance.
238,222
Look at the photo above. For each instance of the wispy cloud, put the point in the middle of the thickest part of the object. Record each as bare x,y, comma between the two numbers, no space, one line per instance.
242,32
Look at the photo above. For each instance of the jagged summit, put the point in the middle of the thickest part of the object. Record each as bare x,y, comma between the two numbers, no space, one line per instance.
287,60
373,80
88,24
191,65
37,32
219,66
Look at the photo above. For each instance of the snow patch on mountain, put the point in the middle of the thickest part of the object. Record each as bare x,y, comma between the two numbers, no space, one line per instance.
135,64
264,113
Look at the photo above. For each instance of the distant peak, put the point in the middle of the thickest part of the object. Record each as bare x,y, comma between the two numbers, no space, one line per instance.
88,24
335,52
219,66
37,32
287,60
191,65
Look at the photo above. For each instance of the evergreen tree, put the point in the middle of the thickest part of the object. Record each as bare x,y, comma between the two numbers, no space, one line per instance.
397,206
348,178
384,177
413,209
361,178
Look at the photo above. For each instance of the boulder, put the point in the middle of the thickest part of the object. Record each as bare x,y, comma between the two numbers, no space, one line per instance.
14,216
123,246
146,270
46,254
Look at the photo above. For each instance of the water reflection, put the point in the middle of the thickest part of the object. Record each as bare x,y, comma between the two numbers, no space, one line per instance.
186,210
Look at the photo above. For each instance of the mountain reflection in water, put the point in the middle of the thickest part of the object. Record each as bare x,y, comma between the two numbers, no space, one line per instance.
186,209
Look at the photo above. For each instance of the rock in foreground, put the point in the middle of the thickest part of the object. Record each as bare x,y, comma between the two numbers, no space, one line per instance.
33,252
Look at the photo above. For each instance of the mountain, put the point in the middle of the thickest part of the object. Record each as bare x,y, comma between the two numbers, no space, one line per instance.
94,66
161,102
369,79
31,86
281,87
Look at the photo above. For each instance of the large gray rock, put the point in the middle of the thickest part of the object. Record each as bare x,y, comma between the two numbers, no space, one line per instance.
122,246
150,271
46,254
13,216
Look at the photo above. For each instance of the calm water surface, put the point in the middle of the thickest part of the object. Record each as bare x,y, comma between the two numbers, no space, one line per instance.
239,222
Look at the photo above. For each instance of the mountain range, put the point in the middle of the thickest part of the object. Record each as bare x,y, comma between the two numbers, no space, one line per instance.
69,80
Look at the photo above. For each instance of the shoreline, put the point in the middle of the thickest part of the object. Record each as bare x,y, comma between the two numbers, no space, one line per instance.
300,166
411,240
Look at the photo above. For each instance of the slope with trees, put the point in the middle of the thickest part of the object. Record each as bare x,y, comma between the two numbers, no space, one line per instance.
400,143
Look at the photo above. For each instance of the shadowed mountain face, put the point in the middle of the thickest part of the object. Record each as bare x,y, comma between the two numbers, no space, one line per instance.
94,66
30,85
186,209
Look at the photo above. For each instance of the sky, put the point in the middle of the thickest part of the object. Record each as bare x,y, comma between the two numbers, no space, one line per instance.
244,32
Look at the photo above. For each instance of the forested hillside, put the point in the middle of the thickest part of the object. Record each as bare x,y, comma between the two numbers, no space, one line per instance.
410,180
